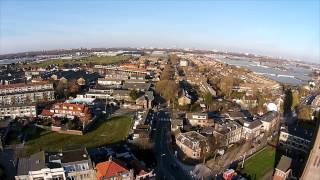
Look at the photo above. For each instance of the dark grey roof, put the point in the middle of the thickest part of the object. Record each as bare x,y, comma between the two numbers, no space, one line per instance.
23,166
300,131
74,155
254,124
269,116
140,86
207,130
121,92
44,159
236,114
71,75
35,162
284,164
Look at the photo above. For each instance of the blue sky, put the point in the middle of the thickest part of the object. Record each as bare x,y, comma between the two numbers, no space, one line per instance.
278,27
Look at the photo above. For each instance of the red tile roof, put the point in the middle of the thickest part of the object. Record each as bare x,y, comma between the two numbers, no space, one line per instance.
109,169
46,112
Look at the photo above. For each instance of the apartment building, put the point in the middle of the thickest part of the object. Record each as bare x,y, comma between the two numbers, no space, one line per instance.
26,93
295,138
192,144
14,111
71,165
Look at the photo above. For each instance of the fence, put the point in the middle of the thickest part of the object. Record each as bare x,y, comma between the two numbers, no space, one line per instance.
60,130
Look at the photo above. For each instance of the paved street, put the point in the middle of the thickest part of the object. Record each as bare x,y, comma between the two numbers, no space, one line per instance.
167,166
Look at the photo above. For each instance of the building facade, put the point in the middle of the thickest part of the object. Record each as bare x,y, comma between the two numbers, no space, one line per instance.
251,130
26,93
18,111
229,132
295,139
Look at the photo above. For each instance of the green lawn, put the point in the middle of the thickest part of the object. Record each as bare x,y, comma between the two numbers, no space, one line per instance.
106,132
91,59
260,164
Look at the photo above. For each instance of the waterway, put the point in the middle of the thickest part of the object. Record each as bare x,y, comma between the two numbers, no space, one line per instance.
293,75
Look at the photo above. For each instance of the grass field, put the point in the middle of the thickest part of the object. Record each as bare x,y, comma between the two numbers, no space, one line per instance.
91,59
105,132
260,164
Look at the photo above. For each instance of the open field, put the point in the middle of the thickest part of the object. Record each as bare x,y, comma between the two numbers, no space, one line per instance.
91,59
105,132
260,164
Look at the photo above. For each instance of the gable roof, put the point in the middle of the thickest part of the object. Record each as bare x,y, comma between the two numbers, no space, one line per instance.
109,169
284,164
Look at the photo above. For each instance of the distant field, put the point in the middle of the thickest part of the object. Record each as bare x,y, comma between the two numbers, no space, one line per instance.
106,132
260,164
91,59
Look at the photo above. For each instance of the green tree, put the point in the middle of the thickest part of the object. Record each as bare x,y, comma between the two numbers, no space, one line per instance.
2,173
73,87
305,113
60,88
295,99
226,85
134,94
167,89
208,100
73,124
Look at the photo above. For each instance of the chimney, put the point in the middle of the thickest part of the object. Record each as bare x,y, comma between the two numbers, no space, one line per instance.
110,158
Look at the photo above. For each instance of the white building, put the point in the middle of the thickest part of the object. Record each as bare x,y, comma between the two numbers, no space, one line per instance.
26,93
252,129
109,81
184,63
269,121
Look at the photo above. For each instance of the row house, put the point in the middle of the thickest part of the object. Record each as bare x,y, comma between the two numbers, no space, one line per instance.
71,111
142,124
192,144
206,88
199,119
110,82
146,100
26,93
177,121
65,165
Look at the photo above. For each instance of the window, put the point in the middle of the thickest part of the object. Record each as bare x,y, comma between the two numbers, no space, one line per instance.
70,168
83,166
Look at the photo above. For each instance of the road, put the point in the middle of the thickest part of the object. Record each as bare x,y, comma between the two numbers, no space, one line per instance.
167,167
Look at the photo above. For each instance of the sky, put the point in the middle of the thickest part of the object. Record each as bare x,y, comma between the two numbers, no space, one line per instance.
276,27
